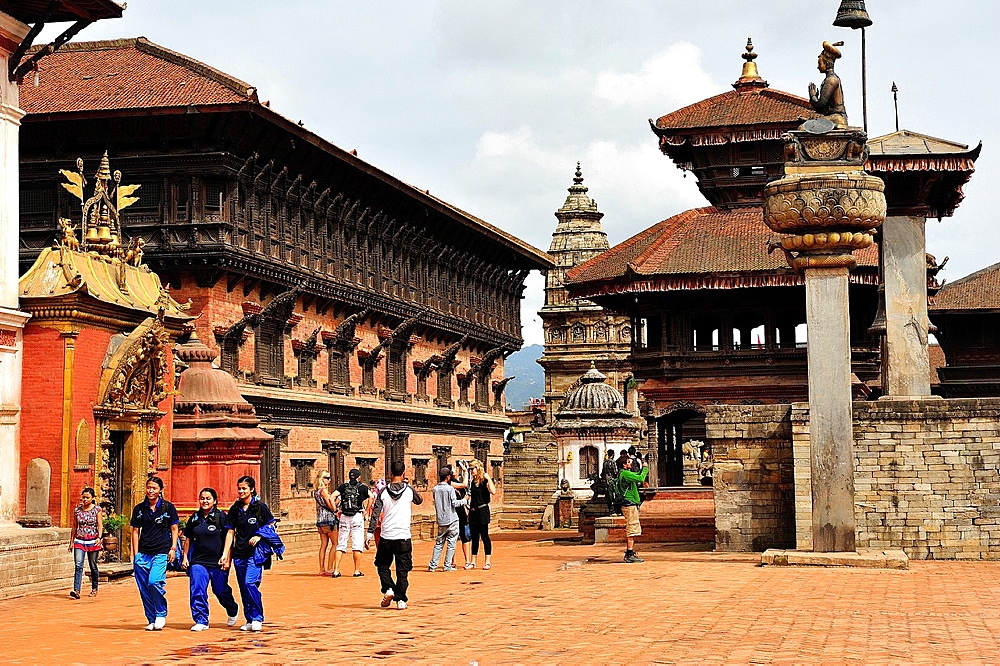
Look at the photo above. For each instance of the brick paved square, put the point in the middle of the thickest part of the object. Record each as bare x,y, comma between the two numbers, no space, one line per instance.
545,603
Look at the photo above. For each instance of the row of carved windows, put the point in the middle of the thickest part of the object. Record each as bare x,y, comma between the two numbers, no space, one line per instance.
581,333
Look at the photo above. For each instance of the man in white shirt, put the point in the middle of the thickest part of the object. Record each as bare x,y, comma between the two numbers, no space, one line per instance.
393,505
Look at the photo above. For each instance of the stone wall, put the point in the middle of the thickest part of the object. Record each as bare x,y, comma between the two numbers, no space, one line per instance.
35,560
754,489
926,476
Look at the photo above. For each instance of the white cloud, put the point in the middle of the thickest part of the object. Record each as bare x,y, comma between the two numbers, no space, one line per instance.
668,79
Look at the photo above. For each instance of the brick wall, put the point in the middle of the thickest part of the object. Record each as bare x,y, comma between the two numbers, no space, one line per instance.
754,492
926,476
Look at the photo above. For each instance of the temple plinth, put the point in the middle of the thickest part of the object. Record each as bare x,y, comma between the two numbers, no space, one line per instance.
829,205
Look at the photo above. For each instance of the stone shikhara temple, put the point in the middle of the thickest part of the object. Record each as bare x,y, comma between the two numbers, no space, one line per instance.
358,319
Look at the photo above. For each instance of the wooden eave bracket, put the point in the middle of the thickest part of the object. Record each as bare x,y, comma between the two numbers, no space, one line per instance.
16,70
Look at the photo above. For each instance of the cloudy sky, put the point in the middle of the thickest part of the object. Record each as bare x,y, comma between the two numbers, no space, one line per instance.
490,103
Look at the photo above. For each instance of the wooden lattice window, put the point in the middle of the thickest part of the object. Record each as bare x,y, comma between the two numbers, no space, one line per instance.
303,470
420,473
589,461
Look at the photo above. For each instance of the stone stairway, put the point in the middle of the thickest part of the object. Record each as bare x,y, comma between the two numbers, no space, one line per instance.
531,472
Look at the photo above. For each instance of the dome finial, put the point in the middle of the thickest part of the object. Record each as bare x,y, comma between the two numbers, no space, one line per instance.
579,175
749,78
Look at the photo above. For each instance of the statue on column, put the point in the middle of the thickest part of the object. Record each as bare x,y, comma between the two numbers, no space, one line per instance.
828,100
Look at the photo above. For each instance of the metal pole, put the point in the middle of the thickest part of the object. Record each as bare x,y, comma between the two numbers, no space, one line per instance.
895,102
864,80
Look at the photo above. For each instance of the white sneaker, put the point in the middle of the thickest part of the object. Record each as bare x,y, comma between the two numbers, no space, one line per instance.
150,627
231,621
245,627
256,626
199,627
159,623
401,605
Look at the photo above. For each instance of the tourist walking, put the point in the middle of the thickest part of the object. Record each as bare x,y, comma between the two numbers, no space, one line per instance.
88,523
204,558
628,483
352,502
392,505
326,519
154,533
445,504
250,524
480,491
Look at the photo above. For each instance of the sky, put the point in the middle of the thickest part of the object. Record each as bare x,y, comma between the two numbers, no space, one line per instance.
489,104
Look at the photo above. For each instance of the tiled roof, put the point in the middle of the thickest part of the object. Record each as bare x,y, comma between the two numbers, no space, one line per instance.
751,106
699,242
94,76
979,291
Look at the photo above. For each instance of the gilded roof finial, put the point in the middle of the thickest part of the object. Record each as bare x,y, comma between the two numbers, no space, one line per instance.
750,78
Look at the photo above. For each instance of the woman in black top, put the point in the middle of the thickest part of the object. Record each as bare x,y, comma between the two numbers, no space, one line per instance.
154,533
480,491
246,517
204,556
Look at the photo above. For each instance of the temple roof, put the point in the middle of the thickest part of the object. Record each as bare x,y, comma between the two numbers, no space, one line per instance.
119,77
978,291
905,142
60,272
702,248
754,106
89,76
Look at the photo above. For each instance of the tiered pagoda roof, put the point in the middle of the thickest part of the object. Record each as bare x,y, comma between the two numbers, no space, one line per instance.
702,248
978,291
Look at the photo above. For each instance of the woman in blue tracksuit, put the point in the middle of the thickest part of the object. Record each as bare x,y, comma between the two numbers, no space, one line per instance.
247,517
204,556
154,533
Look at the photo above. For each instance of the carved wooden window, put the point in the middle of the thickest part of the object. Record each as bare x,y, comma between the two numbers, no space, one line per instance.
444,375
496,467
589,461
181,196
269,352
37,200
480,449
269,483
367,467
303,473
229,357
215,199
482,392
338,371
442,455
368,378
336,460
394,444
420,473
304,376
395,371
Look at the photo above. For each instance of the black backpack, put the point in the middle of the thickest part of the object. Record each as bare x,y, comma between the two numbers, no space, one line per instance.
615,496
350,499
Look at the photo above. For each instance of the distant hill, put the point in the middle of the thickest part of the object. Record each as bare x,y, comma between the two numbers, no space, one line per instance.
530,382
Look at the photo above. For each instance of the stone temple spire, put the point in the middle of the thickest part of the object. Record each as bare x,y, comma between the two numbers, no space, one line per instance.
578,235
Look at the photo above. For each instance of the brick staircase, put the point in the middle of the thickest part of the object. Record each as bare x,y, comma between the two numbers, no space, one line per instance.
531,472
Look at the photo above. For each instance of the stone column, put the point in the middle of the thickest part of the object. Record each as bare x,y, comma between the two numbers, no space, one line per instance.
830,419
11,320
905,268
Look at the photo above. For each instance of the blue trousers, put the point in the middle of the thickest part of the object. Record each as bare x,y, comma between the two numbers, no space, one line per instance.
248,577
200,578
151,578
446,534
79,556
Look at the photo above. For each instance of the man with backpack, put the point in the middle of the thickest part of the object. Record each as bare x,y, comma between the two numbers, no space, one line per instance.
609,473
351,499
628,484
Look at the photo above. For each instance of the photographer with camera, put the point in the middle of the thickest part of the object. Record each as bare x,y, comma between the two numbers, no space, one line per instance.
628,483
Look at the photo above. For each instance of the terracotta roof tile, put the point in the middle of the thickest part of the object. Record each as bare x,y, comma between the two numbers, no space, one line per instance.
754,106
93,76
697,242
978,291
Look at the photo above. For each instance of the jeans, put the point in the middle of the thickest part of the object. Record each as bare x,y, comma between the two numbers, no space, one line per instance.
447,533
79,555
248,577
200,578
400,550
151,578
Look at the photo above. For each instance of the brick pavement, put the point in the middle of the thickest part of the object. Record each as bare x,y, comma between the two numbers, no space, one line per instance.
550,604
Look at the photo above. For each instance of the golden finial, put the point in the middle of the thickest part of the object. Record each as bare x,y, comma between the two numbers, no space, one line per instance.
749,78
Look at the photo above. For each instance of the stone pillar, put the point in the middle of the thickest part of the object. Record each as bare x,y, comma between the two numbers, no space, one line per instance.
830,422
11,320
905,269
